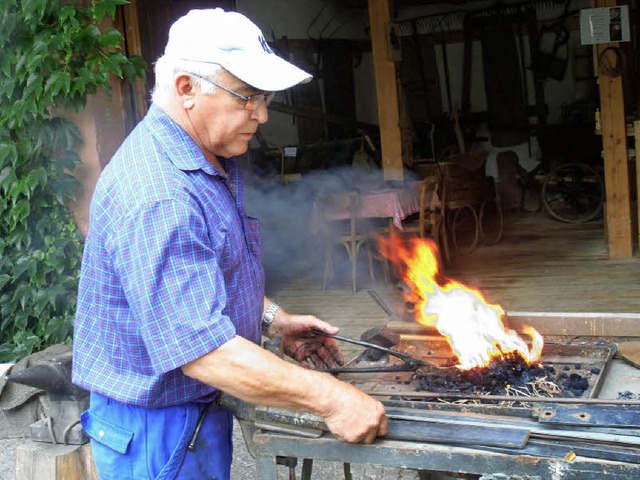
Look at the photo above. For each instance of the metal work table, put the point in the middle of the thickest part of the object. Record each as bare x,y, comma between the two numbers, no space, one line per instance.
272,443
429,458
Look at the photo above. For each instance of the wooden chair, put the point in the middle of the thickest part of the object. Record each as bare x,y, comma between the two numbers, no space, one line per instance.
431,217
351,233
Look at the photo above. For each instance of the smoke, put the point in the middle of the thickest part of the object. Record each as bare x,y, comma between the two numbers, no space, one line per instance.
292,247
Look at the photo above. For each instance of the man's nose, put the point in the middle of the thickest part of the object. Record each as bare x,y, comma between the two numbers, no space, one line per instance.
261,113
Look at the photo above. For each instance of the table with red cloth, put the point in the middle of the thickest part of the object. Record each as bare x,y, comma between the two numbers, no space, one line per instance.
395,203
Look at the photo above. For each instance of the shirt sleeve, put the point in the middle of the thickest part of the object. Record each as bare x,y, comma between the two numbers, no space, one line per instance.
168,261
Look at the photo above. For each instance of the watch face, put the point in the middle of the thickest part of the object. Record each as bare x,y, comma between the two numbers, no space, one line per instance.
265,327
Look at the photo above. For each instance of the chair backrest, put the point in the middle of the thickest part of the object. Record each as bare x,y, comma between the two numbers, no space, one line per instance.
432,203
342,208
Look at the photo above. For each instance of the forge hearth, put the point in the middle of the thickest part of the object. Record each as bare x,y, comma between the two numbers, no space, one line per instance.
595,435
501,377
570,371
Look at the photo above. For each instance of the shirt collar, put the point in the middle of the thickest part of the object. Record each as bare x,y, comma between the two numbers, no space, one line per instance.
183,152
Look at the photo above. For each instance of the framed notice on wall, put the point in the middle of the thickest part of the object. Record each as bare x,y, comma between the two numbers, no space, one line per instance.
604,25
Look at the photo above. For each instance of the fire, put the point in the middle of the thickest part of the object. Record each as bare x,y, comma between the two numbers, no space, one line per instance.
472,326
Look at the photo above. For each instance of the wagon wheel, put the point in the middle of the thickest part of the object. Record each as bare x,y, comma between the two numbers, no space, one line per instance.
464,229
573,193
490,221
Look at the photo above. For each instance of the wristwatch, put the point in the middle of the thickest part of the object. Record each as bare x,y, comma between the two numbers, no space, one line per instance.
267,317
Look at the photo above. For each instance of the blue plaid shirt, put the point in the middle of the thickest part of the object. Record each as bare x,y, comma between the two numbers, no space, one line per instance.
171,269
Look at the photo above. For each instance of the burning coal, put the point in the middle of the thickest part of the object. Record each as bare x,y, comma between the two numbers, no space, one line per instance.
472,326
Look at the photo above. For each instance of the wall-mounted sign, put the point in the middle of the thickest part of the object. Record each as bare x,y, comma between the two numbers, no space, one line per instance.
604,25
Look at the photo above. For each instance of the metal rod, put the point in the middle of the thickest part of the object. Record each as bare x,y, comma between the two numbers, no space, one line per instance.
409,363
501,398
376,298
412,362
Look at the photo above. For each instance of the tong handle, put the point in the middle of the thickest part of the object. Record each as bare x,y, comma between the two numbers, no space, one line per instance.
410,362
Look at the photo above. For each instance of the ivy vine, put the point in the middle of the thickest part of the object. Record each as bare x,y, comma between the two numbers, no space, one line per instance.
53,57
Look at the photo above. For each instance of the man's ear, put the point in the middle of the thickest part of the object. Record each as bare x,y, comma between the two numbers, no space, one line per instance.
186,90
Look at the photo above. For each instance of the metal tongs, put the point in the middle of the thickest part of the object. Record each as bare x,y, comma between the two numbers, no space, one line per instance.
409,364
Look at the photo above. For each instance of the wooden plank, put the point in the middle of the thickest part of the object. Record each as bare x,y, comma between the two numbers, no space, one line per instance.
614,142
550,323
630,352
386,91
636,136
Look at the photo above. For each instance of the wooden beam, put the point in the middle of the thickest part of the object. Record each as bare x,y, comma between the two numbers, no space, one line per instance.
133,46
386,91
551,323
614,143
636,135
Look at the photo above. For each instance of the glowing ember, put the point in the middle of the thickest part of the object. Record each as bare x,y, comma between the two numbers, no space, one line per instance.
473,327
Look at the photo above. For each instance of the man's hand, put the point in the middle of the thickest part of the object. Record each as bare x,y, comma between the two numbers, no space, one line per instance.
354,416
300,344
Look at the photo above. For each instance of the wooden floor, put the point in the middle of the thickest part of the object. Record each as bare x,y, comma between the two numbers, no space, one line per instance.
540,265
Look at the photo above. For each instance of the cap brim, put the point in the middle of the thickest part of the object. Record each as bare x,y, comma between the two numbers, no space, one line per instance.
268,72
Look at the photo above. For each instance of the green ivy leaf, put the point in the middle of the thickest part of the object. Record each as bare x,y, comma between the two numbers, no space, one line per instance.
53,56
4,280
111,38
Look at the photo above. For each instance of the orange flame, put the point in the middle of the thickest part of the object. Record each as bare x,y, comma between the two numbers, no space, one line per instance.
472,326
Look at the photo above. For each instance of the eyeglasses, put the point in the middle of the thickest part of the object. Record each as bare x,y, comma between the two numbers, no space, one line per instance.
251,103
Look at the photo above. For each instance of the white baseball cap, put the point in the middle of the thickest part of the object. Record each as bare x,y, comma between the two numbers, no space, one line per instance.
231,40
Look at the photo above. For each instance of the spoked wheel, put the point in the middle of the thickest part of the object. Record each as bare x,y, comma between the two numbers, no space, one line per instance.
573,193
490,221
464,229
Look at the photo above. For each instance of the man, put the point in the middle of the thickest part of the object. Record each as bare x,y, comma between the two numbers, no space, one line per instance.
171,293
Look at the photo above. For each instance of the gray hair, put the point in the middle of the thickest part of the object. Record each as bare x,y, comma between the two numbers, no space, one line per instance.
167,69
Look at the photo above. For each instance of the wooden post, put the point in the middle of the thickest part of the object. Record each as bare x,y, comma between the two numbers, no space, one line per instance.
133,45
636,135
614,143
386,91
46,461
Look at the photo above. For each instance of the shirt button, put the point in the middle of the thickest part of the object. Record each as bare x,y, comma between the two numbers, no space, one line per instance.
101,433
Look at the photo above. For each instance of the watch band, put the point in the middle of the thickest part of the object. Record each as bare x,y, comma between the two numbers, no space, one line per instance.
268,315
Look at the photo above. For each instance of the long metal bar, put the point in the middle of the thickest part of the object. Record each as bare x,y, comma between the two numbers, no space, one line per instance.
500,398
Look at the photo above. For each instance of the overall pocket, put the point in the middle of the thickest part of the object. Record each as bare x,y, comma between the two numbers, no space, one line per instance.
109,446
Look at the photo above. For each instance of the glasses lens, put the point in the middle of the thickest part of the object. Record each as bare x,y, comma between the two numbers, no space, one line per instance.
255,101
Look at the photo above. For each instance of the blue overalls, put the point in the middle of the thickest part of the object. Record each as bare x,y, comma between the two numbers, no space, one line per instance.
135,443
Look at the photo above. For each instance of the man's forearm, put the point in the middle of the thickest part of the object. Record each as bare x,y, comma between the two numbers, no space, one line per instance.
253,374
